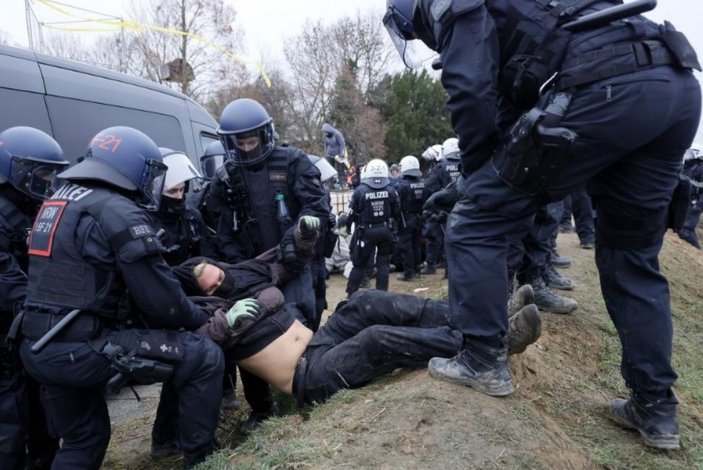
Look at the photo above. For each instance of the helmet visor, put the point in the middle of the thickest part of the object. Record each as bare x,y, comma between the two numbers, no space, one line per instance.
152,185
400,30
35,178
249,148
210,164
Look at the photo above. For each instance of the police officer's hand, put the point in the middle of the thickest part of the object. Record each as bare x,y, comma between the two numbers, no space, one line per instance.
309,226
442,200
332,220
243,310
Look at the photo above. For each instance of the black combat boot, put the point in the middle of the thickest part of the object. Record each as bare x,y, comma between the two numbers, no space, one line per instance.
555,280
524,328
193,458
548,300
656,422
405,276
524,295
480,366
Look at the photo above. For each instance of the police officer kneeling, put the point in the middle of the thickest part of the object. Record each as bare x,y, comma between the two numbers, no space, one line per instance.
93,251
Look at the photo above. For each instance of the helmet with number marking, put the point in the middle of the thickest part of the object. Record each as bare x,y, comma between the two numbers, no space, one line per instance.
29,161
375,174
126,158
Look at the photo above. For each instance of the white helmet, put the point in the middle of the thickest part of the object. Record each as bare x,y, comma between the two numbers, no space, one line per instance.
450,147
433,153
410,165
180,169
375,174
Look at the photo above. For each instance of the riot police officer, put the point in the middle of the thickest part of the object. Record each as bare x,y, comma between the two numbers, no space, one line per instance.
588,123
29,160
97,276
375,211
179,225
260,193
693,170
412,195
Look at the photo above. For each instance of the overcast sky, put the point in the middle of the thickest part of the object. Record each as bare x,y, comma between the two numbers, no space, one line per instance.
268,22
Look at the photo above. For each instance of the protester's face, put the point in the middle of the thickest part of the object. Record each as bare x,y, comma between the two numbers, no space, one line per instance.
210,279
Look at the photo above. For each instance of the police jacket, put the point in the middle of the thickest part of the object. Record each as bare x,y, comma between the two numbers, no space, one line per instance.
16,216
371,207
93,249
182,232
472,75
246,199
412,194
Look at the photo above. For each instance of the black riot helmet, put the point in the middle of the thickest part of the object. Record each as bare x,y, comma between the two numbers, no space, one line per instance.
126,158
29,161
246,132
213,158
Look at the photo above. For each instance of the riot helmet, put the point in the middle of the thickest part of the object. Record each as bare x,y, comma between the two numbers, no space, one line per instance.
375,174
433,153
410,165
246,132
398,21
450,148
29,161
696,151
127,159
212,159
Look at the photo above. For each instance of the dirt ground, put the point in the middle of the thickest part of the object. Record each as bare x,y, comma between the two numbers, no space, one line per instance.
555,419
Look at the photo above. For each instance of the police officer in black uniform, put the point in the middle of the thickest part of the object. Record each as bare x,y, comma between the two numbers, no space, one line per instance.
29,159
693,170
260,193
98,296
592,121
412,195
375,210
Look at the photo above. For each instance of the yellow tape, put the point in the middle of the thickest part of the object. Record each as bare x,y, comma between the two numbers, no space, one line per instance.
141,26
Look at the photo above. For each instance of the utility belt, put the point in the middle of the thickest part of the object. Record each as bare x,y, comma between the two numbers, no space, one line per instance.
614,61
82,328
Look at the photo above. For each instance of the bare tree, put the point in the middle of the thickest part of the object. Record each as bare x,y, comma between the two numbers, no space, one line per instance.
195,36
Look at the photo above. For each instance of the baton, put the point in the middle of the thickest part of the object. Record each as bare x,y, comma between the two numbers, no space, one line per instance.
604,17
56,329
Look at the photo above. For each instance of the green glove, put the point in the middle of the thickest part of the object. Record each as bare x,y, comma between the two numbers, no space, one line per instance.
309,226
242,310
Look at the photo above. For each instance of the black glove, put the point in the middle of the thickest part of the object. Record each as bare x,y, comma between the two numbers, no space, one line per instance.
443,200
332,221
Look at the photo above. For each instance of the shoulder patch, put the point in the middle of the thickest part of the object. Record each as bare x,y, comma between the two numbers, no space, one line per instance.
139,231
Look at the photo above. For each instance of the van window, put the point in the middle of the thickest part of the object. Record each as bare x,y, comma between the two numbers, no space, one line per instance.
22,108
88,118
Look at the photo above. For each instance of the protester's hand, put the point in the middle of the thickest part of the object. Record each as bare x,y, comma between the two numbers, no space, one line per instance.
242,310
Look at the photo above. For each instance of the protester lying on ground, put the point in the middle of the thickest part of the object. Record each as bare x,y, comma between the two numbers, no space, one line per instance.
371,334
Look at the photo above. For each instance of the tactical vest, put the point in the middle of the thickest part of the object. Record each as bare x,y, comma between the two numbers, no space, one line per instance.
59,276
375,205
17,224
413,195
532,45
181,236
451,169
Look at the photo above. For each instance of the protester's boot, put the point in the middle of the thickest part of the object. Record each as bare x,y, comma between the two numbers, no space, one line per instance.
524,295
555,280
480,366
548,300
656,422
524,328
560,261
